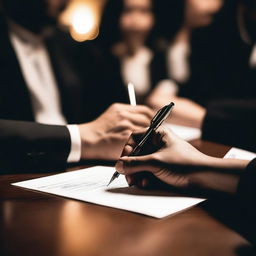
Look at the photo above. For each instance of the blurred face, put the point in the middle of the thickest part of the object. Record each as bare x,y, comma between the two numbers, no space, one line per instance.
34,14
200,13
136,20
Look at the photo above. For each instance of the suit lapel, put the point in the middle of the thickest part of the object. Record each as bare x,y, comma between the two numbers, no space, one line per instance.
15,100
68,80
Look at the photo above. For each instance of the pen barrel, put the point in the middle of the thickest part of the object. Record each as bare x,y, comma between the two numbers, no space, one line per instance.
136,151
116,175
144,147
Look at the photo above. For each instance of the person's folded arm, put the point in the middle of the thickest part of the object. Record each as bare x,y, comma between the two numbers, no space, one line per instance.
246,189
231,122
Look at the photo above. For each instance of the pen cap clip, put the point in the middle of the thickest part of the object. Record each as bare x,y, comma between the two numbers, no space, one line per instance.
162,115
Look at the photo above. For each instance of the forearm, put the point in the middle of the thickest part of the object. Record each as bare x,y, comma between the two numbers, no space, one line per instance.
222,175
226,164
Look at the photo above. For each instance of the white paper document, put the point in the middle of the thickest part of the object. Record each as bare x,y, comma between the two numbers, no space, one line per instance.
90,185
240,154
185,132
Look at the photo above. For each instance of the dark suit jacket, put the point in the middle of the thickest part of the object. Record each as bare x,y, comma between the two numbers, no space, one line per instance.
247,195
85,87
86,90
28,146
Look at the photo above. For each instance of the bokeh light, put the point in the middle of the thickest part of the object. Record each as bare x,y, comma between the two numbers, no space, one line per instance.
82,18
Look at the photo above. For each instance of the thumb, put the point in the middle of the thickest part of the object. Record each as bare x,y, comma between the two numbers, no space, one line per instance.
129,165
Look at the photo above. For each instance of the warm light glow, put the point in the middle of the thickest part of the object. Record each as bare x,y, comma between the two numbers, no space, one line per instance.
83,20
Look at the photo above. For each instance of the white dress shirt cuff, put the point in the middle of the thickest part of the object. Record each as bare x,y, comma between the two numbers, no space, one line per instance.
75,150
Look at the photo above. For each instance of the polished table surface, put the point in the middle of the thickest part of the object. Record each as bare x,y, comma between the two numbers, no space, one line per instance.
38,224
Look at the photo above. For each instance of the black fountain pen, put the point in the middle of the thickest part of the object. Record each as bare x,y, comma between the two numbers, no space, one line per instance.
156,122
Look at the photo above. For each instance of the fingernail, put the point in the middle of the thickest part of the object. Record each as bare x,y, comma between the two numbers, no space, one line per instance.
124,158
120,166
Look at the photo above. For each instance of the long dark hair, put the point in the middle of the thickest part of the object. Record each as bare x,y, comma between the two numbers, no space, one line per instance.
109,31
169,16
30,14
248,3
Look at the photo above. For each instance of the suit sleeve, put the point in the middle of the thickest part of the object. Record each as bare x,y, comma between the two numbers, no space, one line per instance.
247,197
231,122
247,184
28,146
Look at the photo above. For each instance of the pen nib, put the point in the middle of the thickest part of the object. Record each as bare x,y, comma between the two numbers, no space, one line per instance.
112,179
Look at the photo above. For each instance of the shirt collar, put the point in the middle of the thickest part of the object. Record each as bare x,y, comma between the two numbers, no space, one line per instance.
27,37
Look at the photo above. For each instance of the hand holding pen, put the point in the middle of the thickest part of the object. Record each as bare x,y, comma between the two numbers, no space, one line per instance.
156,122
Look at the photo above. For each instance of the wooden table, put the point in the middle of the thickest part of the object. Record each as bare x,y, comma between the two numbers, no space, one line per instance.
38,224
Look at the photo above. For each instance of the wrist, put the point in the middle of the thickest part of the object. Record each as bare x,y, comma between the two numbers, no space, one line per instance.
88,140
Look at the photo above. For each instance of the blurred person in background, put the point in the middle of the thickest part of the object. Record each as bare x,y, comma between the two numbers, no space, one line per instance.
125,31
40,62
231,117
178,24
52,82
222,78
193,14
